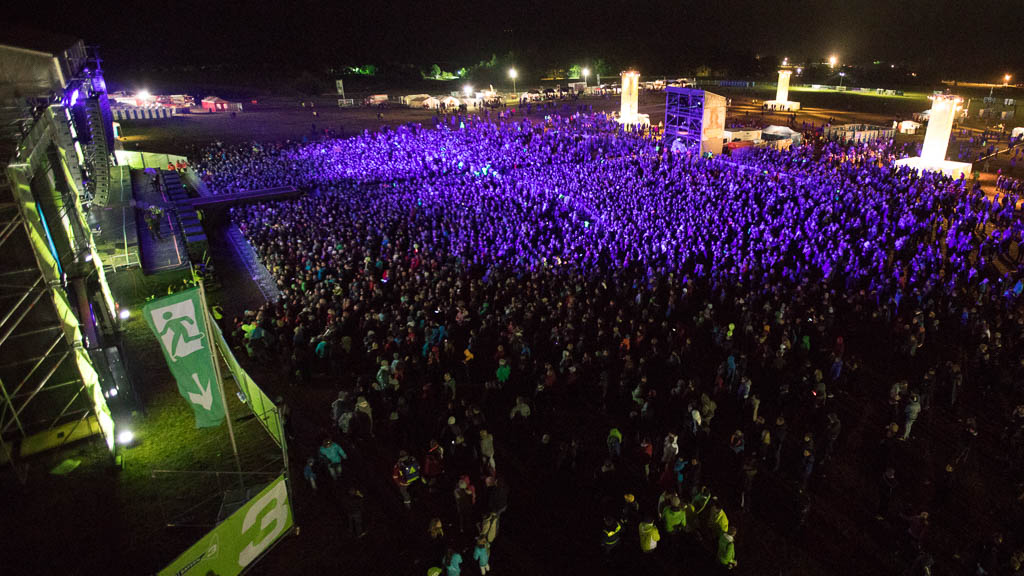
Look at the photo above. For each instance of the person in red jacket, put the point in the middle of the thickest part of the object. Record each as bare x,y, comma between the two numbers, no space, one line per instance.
433,464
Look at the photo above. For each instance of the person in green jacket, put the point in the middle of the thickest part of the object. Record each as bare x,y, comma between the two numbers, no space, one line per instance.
503,372
675,517
727,549
614,441
717,519
649,535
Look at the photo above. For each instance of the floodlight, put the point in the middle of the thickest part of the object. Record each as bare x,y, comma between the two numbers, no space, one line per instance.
832,60
585,72
143,94
125,437
124,314
512,73
467,90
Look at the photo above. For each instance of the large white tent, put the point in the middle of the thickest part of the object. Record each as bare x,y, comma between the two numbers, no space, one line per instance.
782,132
450,102
1017,132
412,98
909,127
429,102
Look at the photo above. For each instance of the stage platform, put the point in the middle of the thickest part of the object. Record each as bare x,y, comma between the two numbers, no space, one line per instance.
782,105
113,225
948,167
167,252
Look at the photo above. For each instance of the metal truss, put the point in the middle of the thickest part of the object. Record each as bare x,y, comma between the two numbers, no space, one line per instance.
684,116
42,393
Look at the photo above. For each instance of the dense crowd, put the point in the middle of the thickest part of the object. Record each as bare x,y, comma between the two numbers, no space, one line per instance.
473,289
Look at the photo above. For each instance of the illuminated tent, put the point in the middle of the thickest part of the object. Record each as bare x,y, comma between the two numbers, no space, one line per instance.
215,104
922,116
412,99
1017,132
450,102
782,132
909,127
430,102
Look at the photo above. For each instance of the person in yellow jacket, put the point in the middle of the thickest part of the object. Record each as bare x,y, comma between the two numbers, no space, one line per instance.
727,549
717,519
674,516
649,535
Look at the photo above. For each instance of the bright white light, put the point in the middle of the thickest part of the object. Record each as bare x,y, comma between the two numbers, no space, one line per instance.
88,257
832,60
512,73
585,72
112,393
124,314
1006,79
125,437
467,90
842,73
143,94
799,70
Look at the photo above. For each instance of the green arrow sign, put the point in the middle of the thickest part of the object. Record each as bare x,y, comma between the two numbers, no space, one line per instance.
179,323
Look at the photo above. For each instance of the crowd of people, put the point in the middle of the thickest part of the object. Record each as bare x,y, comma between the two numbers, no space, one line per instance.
479,291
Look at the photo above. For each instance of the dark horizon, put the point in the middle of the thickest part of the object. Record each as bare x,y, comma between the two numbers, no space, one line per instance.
942,39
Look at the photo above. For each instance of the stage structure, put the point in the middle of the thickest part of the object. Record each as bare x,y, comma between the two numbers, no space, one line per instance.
60,366
694,120
936,139
629,111
782,101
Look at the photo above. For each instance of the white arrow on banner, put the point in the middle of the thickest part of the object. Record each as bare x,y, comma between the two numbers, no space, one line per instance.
205,396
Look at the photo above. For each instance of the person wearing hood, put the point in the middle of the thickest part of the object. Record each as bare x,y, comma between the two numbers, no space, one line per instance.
649,535
727,549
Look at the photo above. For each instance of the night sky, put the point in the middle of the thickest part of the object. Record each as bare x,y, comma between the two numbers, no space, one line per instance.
972,40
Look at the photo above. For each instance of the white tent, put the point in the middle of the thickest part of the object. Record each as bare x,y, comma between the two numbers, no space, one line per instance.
1017,132
923,116
430,102
909,127
450,102
782,132
411,98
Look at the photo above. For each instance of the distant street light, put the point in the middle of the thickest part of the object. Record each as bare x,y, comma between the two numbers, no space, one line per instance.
841,76
832,60
1006,79
586,73
513,75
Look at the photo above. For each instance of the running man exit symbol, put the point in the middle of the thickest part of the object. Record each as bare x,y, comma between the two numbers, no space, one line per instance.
179,333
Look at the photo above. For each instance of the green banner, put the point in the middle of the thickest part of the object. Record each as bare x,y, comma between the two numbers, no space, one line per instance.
240,539
257,400
179,323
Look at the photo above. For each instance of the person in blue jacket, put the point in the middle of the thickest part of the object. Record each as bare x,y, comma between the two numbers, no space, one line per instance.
333,454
